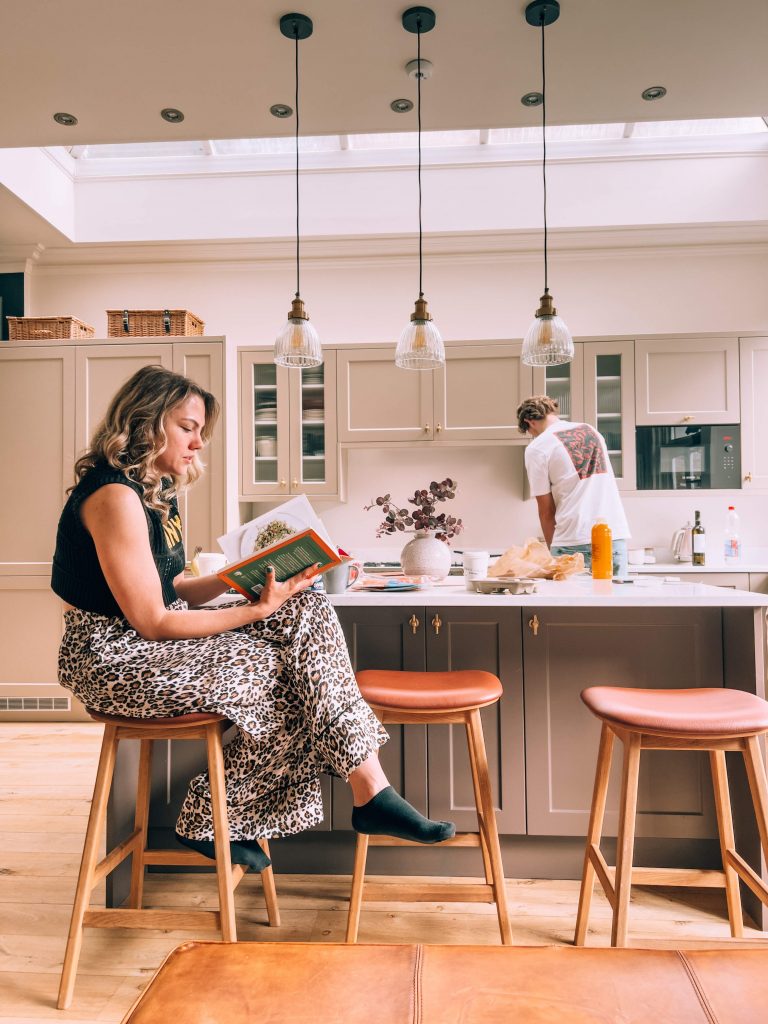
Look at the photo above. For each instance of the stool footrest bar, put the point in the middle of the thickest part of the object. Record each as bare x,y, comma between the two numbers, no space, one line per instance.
462,839
428,892
168,920
748,875
117,855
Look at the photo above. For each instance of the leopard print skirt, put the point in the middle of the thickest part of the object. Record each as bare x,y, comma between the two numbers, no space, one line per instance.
286,682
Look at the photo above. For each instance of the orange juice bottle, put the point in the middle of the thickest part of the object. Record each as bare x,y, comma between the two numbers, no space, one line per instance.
602,551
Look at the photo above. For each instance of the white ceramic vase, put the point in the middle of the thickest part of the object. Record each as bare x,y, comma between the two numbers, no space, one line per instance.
425,555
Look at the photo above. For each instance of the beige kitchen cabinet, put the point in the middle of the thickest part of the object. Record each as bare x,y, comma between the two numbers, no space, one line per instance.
472,398
598,387
287,428
753,356
52,396
687,380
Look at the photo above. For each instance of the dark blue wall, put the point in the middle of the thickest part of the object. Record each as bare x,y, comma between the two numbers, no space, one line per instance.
11,300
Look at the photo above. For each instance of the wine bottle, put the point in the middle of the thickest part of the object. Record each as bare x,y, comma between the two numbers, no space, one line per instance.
698,540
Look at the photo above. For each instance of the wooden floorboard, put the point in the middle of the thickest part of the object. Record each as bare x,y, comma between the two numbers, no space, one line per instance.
50,769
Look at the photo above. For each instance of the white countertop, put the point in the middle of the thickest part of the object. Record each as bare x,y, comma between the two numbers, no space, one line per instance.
676,568
579,591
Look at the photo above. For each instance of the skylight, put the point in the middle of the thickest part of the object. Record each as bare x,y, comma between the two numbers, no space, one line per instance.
587,139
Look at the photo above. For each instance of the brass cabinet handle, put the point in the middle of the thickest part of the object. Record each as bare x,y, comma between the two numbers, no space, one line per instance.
437,623
748,478
533,625
686,419
294,484
426,428
413,622
282,483
439,427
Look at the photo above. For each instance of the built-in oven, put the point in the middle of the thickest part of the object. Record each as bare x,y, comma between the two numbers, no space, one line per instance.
692,457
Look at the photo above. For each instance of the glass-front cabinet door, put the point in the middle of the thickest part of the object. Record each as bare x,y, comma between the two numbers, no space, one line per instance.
609,402
287,428
565,383
314,452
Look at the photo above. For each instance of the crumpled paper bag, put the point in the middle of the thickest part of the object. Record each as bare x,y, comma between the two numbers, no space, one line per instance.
533,561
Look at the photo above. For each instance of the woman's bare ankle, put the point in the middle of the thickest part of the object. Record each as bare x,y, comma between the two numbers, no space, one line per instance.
367,780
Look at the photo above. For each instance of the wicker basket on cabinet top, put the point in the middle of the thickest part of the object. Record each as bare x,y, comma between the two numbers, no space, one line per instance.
47,328
148,323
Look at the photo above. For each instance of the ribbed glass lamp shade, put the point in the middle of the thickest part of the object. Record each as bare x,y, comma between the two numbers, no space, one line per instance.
548,341
298,344
420,346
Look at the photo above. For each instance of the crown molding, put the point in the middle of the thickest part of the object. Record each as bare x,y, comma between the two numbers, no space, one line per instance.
444,247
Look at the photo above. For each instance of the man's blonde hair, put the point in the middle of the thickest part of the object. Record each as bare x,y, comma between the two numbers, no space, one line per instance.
132,433
538,407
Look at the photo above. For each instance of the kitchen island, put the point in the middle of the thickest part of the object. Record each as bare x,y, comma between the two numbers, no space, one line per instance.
542,743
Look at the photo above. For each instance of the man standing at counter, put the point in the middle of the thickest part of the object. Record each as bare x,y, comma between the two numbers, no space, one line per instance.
572,479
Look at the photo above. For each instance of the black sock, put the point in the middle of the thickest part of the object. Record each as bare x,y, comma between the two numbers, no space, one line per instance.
242,851
387,814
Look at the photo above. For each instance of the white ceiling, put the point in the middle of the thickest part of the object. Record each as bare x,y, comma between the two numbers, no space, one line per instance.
116,65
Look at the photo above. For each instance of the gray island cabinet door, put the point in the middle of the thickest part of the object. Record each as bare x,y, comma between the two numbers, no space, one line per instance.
486,639
570,649
388,638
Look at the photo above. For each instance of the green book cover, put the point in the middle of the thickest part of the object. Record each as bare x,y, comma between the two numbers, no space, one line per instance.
288,557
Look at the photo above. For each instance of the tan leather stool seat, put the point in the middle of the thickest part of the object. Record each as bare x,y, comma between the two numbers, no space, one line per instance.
704,712
429,691
200,718
293,983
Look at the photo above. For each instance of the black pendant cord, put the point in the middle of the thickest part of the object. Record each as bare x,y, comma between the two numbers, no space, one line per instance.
296,108
544,143
418,120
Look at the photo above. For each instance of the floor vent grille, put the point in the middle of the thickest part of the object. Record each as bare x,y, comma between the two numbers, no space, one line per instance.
35,704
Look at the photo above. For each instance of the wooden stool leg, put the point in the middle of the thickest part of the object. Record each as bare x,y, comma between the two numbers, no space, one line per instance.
268,885
358,883
477,751
727,840
478,806
625,842
85,880
141,822
596,816
221,832
758,787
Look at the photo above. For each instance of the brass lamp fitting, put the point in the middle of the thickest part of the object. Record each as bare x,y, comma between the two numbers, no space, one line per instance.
546,308
297,310
421,312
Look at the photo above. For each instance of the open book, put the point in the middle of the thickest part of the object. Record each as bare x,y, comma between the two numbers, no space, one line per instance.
290,538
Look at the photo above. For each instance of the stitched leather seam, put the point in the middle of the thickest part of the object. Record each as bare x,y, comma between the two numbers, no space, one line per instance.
697,987
418,966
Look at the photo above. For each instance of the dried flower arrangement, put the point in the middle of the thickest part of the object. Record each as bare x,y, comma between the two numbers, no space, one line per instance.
424,515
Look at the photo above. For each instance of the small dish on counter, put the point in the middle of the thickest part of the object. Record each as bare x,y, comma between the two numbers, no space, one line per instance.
505,585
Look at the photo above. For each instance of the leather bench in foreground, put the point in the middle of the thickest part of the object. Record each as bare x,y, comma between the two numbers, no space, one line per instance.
299,983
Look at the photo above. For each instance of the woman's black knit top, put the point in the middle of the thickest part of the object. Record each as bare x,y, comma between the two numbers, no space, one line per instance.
77,577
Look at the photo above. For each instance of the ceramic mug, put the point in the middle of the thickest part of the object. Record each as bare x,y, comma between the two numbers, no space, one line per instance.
266,447
340,577
210,562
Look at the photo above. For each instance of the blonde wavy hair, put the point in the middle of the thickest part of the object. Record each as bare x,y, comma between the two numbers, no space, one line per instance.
537,407
132,434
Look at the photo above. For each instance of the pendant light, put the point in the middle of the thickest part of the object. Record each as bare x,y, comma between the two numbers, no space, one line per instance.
298,344
420,346
548,341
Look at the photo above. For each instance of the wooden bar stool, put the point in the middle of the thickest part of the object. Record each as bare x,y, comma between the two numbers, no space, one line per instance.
715,720
194,726
402,698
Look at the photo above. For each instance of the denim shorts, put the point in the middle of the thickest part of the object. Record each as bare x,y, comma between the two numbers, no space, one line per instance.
619,555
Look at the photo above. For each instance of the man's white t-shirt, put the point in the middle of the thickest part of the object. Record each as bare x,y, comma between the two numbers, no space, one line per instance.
570,460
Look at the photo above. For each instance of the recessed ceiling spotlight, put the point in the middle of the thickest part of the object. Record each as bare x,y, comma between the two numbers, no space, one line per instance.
401,106
172,115
280,110
654,92
66,119
532,99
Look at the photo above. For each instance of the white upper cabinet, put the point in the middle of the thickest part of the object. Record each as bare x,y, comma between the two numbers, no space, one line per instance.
474,397
287,428
691,380
754,413
565,383
478,391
